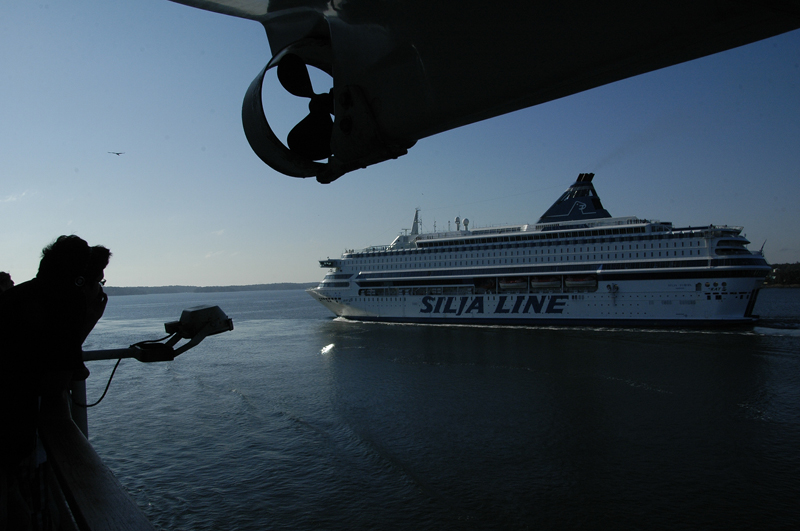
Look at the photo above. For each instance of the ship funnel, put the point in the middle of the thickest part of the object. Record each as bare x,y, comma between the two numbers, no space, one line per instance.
580,201
415,225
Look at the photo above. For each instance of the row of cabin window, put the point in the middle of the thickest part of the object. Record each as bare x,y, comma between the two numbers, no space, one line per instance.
396,259
439,248
578,258
548,236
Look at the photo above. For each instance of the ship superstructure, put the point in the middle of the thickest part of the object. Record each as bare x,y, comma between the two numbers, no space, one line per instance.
577,265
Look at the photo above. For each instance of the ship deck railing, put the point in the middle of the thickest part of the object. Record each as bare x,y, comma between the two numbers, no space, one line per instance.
591,223
85,491
376,249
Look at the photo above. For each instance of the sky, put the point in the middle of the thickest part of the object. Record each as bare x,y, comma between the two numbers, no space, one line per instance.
711,141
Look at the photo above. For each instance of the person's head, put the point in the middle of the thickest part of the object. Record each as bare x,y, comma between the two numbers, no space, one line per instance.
70,260
5,281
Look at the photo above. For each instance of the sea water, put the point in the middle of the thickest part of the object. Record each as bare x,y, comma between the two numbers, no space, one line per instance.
298,420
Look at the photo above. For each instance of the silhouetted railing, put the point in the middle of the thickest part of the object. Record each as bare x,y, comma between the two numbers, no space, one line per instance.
95,498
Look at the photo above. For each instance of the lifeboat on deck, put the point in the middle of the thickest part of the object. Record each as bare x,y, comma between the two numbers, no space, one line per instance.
586,281
545,282
513,283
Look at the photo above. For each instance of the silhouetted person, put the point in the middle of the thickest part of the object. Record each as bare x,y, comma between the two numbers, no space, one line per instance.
44,324
5,281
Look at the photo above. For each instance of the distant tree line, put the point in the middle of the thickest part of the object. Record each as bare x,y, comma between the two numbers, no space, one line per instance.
147,290
784,275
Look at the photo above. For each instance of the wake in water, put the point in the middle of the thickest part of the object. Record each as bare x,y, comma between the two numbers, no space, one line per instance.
765,327
778,328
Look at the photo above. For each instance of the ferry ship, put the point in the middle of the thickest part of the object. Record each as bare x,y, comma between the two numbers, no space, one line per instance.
577,265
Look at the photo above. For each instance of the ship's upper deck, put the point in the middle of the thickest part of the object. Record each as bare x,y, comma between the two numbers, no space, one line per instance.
570,221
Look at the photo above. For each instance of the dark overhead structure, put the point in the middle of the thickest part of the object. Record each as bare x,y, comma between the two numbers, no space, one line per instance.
407,69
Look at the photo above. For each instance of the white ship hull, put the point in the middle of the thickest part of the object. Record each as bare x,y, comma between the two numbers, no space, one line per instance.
597,271
635,303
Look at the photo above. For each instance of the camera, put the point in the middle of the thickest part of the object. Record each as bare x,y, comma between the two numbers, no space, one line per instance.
194,325
207,319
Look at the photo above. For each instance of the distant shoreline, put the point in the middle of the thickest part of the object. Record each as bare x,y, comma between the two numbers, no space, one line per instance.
150,290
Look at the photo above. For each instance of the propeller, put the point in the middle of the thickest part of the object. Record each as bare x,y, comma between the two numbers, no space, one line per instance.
309,148
311,138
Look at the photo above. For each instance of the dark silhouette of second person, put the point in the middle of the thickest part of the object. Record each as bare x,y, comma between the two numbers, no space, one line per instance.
5,281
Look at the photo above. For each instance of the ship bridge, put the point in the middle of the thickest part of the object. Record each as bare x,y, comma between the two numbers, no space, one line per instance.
331,262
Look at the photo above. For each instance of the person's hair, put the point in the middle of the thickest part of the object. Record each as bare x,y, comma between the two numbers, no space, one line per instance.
70,259
4,277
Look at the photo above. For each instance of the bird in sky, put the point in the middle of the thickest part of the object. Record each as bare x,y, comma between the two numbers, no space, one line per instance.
117,153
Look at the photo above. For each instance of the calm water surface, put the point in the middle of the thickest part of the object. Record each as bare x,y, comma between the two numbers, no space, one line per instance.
296,420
